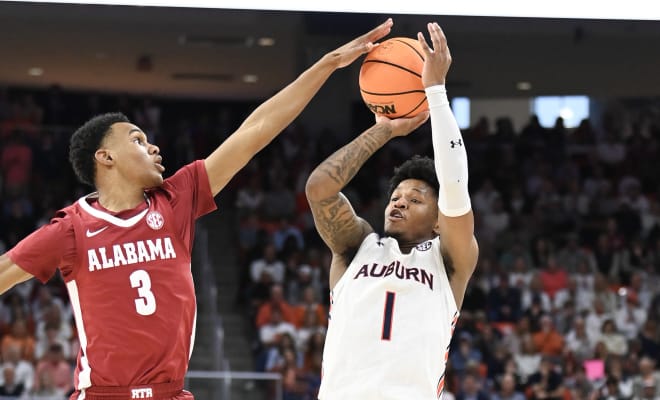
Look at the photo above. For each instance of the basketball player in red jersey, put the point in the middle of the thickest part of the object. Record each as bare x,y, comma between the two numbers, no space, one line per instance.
125,250
395,299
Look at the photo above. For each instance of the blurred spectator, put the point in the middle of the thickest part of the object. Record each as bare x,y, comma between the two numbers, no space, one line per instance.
20,337
269,263
309,303
484,197
464,354
250,198
548,341
534,295
275,302
647,382
609,390
649,338
604,295
614,341
508,389
630,316
54,364
579,341
22,371
10,386
504,302
471,389
624,379
583,299
528,360
46,388
520,275
288,232
553,277
310,326
52,317
279,202
52,335
546,383
16,162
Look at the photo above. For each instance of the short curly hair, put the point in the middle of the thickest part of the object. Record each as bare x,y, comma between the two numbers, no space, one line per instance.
418,167
86,140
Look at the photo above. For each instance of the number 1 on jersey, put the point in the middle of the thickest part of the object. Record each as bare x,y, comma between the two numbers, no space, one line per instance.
387,315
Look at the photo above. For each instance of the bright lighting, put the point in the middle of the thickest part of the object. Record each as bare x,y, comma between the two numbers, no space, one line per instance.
266,41
573,109
250,78
35,71
523,85
460,106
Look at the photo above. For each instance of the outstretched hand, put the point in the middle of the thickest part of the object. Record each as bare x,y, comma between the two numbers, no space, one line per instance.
349,52
437,59
403,126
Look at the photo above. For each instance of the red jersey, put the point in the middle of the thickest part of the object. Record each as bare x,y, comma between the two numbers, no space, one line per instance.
129,280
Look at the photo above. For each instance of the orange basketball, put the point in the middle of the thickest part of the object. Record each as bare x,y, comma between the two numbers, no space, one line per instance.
391,78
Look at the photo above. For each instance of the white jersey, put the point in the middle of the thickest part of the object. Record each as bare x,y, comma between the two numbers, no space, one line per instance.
392,316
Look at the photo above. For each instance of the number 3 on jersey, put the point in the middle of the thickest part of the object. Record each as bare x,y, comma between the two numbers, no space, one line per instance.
145,304
388,315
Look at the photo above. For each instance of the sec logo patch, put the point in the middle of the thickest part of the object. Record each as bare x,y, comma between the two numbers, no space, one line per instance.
155,220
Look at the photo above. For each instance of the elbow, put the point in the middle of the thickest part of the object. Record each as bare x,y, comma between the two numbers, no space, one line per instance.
314,187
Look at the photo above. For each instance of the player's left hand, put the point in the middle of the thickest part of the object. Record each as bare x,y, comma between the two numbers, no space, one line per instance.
437,59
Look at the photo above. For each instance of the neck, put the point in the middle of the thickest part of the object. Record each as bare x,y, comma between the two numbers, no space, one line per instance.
119,201
406,247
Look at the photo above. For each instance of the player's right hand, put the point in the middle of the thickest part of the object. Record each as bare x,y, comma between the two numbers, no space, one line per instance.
437,59
349,52
403,126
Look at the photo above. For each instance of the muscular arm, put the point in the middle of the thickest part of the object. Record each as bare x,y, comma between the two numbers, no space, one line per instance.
456,221
10,274
264,124
340,228
271,117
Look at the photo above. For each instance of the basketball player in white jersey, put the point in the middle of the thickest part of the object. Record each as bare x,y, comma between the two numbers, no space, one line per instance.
395,299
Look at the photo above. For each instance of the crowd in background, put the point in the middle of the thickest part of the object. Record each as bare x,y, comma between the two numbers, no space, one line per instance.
564,302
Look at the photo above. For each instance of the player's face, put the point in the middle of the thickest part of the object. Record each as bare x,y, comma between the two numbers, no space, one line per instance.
411,214
135,159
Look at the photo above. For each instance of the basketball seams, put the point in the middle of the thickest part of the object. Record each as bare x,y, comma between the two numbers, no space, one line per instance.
390,79
411,47
393,65
415,108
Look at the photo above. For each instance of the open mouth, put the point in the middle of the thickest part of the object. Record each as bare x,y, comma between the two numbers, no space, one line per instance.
396,214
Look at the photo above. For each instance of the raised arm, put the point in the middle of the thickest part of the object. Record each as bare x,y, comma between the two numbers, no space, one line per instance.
456,220
276,113
338,225
10,274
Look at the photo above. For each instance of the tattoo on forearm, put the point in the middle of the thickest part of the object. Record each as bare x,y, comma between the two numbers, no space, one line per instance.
342,166
333,216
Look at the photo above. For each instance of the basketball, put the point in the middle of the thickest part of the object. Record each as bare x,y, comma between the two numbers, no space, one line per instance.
391,78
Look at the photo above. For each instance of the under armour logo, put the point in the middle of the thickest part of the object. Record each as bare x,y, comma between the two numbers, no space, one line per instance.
459,142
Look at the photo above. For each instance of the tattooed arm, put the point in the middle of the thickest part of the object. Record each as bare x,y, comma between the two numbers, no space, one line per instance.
340,228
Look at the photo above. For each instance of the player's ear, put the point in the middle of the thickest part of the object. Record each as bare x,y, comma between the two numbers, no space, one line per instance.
436,227
104,157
